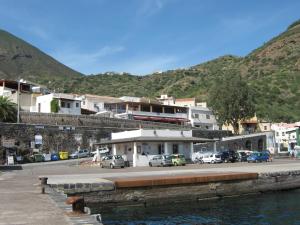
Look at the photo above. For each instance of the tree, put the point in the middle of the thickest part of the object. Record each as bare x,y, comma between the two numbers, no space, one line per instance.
231,99
54,106
8,110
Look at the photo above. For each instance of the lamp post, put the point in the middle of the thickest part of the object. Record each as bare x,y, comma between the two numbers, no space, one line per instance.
18,102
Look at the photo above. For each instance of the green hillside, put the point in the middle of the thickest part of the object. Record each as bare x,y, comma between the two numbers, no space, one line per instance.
20,59
273,70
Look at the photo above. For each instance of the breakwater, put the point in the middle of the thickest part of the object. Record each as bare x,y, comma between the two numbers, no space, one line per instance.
155,190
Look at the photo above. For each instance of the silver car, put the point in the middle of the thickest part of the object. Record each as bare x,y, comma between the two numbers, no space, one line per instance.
161,160
82,153
112,161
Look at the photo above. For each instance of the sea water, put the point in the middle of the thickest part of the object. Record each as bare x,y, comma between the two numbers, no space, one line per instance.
282,208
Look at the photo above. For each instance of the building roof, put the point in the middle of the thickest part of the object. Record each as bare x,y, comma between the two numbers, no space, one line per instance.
184,99
156,139
107,99
65,96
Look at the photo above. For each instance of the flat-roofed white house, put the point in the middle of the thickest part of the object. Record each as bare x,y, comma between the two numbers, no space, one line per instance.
27,93
67,103
139,146
95,103
202,117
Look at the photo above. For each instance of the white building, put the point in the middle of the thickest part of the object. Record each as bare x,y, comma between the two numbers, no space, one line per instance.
203,118
27,93
147,109
139,146
67,103
285,136
198,113
96,103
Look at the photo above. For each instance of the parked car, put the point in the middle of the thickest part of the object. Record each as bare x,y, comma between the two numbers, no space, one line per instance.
242,156
112,161
212,158
258,157
247,152
161,160
178,160
229,156
82,153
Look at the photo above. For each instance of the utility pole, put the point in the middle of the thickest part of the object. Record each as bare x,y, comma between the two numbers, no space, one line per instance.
18,100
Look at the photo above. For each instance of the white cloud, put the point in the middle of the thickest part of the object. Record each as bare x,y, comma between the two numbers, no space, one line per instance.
85,62
150,7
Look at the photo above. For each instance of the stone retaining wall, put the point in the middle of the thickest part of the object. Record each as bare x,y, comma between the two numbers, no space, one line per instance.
92,121
154,195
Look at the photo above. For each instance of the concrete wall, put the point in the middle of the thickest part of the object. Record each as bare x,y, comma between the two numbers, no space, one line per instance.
151,133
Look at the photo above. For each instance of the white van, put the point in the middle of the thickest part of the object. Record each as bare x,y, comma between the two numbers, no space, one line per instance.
212,158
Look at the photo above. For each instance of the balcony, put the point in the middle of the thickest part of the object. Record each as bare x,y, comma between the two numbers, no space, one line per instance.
154,114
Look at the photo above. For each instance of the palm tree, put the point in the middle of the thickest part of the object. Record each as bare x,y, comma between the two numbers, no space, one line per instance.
8,110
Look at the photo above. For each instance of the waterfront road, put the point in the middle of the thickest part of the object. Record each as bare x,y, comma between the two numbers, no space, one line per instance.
22,203
78,173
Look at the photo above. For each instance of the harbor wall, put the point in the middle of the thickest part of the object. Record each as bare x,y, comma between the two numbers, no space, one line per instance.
114,193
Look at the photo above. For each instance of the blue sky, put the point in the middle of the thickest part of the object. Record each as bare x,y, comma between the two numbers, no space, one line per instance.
143,36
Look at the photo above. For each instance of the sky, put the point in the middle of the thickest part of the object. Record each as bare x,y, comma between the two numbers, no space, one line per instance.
145,36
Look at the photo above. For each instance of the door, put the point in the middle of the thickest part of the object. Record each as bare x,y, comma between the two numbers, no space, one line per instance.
175,148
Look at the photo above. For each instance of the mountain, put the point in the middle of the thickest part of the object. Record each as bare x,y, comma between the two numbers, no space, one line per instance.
273,70
19,59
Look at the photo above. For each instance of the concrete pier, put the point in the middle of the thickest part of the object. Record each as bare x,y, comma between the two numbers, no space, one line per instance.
160,187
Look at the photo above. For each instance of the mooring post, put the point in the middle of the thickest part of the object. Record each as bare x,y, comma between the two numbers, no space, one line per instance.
77,203
43,184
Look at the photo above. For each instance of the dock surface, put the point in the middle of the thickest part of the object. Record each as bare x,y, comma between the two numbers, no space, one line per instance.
22,203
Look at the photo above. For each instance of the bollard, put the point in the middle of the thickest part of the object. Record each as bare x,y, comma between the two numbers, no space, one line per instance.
77,203
43,184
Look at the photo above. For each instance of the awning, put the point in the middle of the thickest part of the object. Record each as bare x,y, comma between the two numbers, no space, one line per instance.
160,119
155,139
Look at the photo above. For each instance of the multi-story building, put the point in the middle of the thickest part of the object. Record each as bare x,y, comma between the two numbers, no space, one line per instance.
27,93
148,110
198,113
202,117
250,126
95,103
286,136
64,103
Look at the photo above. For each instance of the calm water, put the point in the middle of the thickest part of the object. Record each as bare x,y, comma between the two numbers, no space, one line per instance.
281,208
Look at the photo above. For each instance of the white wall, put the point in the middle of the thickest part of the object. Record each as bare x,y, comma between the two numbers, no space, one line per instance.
150,149
45,102
151,133
202,120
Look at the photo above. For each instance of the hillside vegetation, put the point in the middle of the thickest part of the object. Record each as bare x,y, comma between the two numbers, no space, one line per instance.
273,70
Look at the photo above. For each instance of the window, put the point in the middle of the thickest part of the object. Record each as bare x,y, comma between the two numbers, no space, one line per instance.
207,116
196,116
63,104
283,134
77,105
83,103
265,127
277,134
175,148
68,105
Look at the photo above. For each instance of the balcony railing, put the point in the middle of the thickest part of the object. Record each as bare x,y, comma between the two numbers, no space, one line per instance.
170,115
